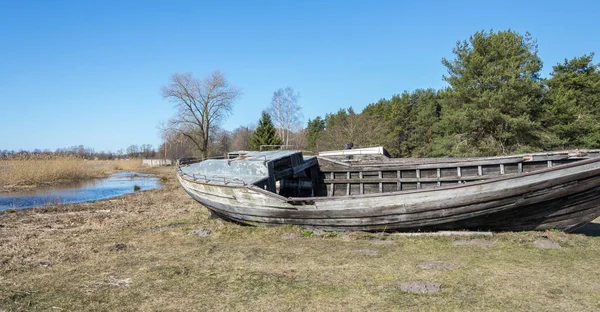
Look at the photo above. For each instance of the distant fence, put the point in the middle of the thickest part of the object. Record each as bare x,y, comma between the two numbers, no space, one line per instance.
156,162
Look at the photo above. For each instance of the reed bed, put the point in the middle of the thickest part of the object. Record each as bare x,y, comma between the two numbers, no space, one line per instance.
32,172
129,164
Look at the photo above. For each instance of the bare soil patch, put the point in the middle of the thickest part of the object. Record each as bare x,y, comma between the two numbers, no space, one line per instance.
545,244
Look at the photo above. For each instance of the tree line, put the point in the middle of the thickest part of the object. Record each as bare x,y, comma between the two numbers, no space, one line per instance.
83,152
495,103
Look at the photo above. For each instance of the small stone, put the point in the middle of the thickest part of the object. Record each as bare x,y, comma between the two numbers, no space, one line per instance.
545,244
366,252
441,265
421,287
118,247
473,242
45,264
201,232
123,282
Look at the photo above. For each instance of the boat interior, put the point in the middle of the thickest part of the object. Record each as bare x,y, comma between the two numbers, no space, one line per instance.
360,171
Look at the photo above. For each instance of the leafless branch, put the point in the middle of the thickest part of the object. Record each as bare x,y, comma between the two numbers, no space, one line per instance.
201,105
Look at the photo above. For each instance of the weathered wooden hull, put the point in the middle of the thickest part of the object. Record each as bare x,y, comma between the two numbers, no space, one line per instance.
564,197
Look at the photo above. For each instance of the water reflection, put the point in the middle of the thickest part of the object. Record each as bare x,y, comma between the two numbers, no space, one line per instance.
115,185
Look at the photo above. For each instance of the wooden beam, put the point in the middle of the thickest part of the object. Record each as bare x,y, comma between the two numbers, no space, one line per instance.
408,180
362,186
348,185
332,185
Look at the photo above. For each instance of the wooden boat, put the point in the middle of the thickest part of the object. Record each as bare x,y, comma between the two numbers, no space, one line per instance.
365,190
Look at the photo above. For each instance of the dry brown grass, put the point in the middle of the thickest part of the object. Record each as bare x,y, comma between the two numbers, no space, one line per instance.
21,173
59,258
129,164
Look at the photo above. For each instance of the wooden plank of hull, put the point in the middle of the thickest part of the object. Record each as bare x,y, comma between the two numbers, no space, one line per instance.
548,185
548,189
526,217
445,214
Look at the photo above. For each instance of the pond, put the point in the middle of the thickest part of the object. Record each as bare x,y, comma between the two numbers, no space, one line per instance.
115,185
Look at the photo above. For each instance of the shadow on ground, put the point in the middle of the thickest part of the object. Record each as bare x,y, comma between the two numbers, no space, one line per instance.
590,229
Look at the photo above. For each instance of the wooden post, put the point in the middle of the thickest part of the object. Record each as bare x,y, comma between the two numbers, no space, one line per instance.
348,185
362,186
380,184
314,177
418,174
332,184
271,187
398,184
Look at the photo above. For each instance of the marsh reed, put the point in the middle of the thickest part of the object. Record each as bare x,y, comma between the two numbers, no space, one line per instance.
33,171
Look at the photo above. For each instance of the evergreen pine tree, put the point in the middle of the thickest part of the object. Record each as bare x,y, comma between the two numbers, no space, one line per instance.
265,133
495,96
572,109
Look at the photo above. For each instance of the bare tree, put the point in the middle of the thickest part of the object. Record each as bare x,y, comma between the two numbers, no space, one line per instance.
175,145
360,129
241,139
133,151
201,105
285,112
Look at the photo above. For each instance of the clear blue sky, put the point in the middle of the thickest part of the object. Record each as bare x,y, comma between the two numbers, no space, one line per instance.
90,72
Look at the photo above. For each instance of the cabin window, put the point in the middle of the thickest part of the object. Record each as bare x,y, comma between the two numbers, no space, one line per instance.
408,174
534,166
409,186
469,171
490,169
511,168
371,188
390,187
354,189
428,173
389,174
448,172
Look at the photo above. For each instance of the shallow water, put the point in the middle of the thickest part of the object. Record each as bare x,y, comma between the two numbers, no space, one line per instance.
115,185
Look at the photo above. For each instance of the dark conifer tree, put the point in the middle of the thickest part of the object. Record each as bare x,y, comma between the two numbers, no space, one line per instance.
265,133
